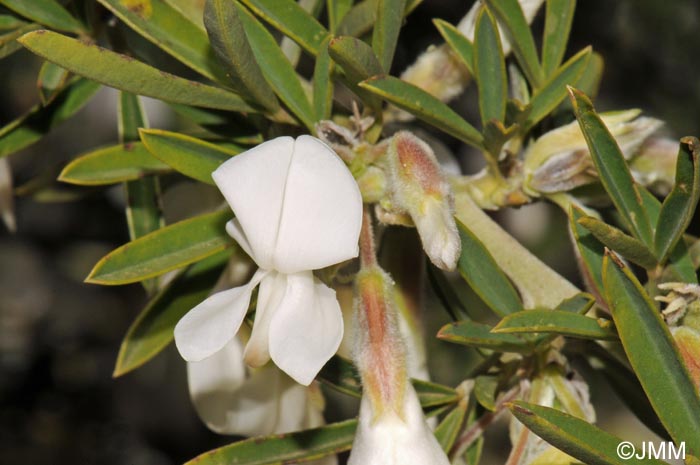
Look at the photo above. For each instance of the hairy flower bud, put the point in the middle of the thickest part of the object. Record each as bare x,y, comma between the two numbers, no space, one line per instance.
560,161
419,188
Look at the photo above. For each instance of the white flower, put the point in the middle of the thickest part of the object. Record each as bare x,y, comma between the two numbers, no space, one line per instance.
391,439
297,208
232,399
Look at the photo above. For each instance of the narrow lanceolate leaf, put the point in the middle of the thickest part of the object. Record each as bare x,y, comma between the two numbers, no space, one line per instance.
231,45
10,22
386,30
434,394
152,330
164,250
448,429
653,355
188,155
580,303
557,322
614,239
128,74
111,165
143,203
423,106
510,16
278,71
323,83
337,9
553,91
557,26
168,29
575,436
47,12
291,20
485,391
51,80
679,207
31,127
361,17
8,40
479,269
590,252
479,335
612,168
462,47
490,68
358,62
283,448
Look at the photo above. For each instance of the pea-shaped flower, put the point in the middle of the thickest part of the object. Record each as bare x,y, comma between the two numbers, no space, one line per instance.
297,208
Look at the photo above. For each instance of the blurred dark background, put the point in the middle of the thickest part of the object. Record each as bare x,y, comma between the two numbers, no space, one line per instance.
59,337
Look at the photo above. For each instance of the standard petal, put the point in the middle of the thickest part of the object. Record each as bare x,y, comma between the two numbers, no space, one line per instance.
207,328
272,290
253,183
306,328
322,211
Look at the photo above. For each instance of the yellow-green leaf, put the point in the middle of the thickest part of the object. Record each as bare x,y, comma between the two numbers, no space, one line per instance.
128,74
614,239
386,30
167,249
475,334
489,68
463,47
556,322
557,26
52,78
47,12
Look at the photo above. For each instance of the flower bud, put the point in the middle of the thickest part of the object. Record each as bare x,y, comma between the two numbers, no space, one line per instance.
419,188
560,161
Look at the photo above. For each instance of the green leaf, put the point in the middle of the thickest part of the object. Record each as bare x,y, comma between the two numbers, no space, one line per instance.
423,106
278,71
231,45
511,17
572,435
448,429
553,91
679,206
489,68
627,387
485,391
323,83
188,155
52,79
485,277
164,250
556,322
590,251
612,168
279,449
580,303
8,41
614,239
10,22
47,12
445,292
292,20
168,29
143,202
361,17
386,30
128,74
475,334
557,26
152,330
337,9
110,165
653,355
358,62
32,126
434,394
463,47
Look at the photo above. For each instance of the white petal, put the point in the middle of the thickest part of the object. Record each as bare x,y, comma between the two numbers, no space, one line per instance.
322,211
306,328
391,440
234,229
253,183
207,328
213,383
272,290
